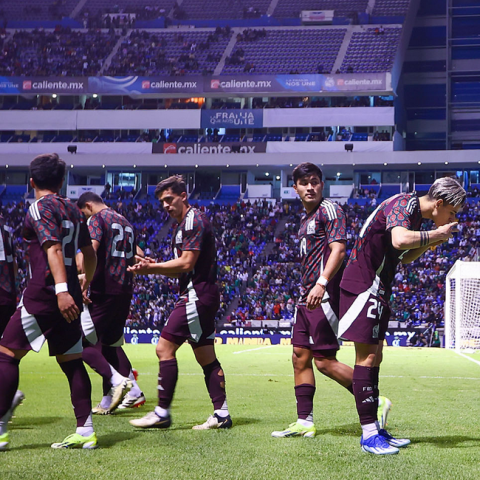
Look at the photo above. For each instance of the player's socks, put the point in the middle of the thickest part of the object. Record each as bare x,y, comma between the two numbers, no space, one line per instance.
106,401
80,389
365,400
135,390
369,430
162,412
92,356
9,385
305,423
304,394
215,382
87,429
116,378
167,380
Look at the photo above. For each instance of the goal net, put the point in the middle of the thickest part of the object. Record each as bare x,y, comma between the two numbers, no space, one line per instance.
462,307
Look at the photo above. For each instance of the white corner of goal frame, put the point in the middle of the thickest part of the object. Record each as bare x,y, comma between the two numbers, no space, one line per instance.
463,269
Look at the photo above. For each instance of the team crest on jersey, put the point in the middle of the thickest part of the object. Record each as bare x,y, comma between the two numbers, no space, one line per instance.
179,238
311,227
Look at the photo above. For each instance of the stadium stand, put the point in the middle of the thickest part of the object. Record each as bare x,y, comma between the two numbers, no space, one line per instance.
293,8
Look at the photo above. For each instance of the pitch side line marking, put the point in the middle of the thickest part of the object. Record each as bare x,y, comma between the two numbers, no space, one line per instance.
253,349
467,357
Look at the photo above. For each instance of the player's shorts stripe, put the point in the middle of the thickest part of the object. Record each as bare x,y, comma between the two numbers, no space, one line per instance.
77,348
330,316
193,318
88,326
32,330
352,313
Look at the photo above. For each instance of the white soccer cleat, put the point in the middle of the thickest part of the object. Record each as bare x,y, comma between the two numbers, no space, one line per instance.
118,392
384,407
99,410
213,422
17,400
152,420
131,401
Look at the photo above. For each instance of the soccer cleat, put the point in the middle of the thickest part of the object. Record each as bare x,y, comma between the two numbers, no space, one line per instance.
394,442
4,440
118,392
99,410
215,421
296,430
384,406
78,441
131,401
135,373
17,400
378,445
152,420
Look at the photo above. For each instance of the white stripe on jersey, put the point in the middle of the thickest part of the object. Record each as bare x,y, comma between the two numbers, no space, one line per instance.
411,205
368,221
189,220
34,212
330,208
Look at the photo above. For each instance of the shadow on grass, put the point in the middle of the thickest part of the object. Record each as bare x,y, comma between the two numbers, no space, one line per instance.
452,441
109,440
27,423
33,446
352,430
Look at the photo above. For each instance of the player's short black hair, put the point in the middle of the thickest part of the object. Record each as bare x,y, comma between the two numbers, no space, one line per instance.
47,171
306,169
89,197
175,182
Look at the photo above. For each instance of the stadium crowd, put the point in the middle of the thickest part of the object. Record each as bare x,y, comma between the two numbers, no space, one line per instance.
259,265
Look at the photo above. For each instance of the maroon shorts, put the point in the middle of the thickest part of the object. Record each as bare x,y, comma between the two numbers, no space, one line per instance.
29,332
6,312
314,331
191,320
363,317
104,320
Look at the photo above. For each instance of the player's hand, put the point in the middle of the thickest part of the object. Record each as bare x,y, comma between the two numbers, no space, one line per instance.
139,259
315,297
142,267
443,233
68,307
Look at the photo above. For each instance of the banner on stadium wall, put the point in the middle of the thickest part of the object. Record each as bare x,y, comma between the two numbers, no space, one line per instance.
209,148
133,85
75,191
69,85
288,193
232,118
138,85
317,16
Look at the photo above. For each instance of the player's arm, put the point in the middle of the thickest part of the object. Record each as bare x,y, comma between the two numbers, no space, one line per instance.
337,254
66,303
172,268
404,239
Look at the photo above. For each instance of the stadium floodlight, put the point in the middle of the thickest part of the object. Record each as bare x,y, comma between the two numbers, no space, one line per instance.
72,149
349,147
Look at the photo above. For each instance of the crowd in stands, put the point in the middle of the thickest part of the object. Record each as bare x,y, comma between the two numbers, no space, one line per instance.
259,264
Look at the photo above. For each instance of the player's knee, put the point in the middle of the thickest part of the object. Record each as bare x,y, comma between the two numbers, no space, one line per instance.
301,361
325,365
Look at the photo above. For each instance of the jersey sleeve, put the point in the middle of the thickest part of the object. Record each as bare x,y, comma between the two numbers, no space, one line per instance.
192,234
95,228
44,223
335,224
399,215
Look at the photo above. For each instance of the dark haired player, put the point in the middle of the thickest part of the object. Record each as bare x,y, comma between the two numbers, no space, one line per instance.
389,236
322,238
111,290
54,229
193,318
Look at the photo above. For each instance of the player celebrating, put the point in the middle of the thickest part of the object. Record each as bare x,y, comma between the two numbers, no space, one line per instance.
390,235
111,290
54,229
322,238
193,318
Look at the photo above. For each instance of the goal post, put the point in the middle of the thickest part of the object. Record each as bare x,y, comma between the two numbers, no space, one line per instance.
462,306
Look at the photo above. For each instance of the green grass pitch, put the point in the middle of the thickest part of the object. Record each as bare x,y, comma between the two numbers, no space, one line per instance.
435,395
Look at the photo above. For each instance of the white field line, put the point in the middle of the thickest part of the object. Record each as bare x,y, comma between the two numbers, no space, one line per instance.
253,349
467,357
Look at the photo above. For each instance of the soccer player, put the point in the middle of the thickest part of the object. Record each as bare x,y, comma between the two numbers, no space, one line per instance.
111,290
390,235
322,238
54,229
193,318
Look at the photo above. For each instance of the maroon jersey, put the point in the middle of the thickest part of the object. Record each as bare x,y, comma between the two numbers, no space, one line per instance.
326,224
373,260
8,295
116,252
195,233
56,219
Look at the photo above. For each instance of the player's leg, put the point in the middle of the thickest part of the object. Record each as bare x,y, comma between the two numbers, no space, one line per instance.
338,371
9,377
167,380
135,397
304,378
215,383
80,392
